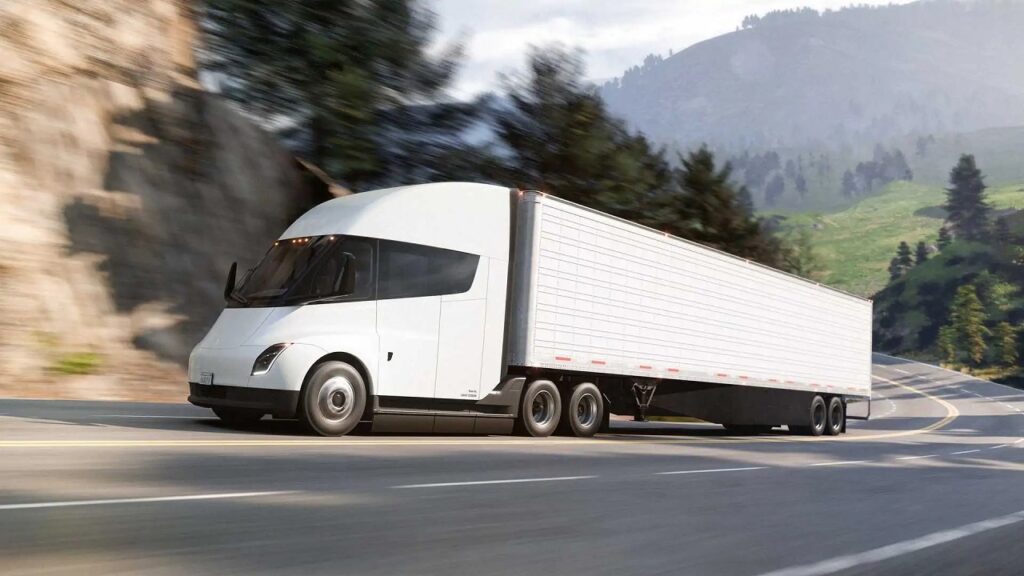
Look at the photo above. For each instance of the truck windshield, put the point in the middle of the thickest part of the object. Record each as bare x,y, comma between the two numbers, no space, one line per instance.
299,270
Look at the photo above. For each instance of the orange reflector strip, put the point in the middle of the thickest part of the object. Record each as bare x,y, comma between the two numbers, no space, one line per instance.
563,358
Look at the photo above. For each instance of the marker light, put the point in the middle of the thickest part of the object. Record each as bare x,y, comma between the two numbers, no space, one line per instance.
266,358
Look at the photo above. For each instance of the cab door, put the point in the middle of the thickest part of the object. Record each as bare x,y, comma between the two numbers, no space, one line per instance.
413,282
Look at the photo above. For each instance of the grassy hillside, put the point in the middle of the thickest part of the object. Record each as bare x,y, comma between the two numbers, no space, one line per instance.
856,244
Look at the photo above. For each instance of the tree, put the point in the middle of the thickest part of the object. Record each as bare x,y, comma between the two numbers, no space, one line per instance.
1006,344
849,188
710,211
559,137
968,320
1003,235
947,343
944,238
895,270
801,185
803,260
904,256
774,190
921,253
967,208
344,73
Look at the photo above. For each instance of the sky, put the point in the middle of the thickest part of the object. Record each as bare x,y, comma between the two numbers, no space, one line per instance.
614,35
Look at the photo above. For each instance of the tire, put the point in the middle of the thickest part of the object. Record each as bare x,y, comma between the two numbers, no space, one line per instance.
334,399
819,417
836,417
539,410
582,411
238,416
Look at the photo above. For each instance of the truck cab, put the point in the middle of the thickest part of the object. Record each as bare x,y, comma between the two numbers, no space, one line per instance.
392,301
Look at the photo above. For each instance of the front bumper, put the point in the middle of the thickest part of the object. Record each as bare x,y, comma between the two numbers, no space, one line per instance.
279,403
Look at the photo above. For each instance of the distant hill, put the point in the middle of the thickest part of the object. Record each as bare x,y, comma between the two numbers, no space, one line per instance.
845,79
856,244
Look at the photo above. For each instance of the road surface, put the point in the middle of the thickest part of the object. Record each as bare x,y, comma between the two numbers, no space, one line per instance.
932,484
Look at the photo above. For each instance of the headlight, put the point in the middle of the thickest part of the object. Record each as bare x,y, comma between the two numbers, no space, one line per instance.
266,359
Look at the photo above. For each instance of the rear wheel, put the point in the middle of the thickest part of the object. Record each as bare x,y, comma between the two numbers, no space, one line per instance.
238,416
836,417
540,409
818,414
334,399
583,411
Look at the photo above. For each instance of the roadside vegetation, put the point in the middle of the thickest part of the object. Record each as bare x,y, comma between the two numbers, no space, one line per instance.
959,301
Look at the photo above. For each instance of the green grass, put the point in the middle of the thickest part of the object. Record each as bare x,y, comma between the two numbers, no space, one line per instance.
856,244
78,363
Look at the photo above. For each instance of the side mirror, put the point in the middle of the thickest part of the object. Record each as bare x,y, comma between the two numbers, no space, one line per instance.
347,282
229,286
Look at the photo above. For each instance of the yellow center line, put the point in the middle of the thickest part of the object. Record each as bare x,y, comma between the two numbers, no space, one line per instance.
951,414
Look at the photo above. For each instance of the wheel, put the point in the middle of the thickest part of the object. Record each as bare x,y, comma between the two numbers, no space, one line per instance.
836,417
606,418
539,410
334,399
238,416
747,429
583,411
819,417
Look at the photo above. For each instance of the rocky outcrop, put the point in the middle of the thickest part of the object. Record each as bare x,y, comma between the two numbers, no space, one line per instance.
125,193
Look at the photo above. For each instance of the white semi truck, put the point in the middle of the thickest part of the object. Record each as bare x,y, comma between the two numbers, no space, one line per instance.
470,308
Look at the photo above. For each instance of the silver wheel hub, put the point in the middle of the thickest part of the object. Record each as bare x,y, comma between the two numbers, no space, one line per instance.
542,408
336,398
586,411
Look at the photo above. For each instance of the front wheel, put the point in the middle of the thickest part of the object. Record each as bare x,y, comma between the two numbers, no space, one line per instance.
540,409
334,399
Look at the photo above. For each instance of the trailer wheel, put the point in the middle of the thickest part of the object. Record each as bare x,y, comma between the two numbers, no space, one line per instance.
582,411
334,399
819,417
238,416
836,417
540,410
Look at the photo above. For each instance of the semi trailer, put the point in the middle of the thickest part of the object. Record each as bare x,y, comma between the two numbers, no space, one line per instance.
471,308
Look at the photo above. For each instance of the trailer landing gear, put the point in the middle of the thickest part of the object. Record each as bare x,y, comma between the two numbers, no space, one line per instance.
643,392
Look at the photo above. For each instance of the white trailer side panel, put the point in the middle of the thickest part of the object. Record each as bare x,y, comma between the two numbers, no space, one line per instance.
595,293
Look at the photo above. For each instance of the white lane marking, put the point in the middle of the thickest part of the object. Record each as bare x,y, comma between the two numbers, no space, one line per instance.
968,451
999,446
709,470
916,457
186,498
486,482
840,463
901,371
848,561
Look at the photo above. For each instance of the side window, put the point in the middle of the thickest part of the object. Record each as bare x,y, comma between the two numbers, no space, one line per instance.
412,270
325,279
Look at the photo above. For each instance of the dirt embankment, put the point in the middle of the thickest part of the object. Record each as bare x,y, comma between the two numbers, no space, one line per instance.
125,193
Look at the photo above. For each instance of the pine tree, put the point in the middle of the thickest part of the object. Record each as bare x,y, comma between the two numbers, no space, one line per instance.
774,190
968,211
905,256
1006,344
348,74
968,320
803,259
849,189
947,343
945,239
921,253
1003,235
895,270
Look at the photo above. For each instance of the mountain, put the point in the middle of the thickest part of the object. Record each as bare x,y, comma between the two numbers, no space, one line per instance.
838,79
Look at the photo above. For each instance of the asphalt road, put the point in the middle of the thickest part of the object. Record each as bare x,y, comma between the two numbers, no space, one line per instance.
931,485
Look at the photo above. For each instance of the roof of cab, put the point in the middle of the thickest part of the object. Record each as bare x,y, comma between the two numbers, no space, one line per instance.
461,216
